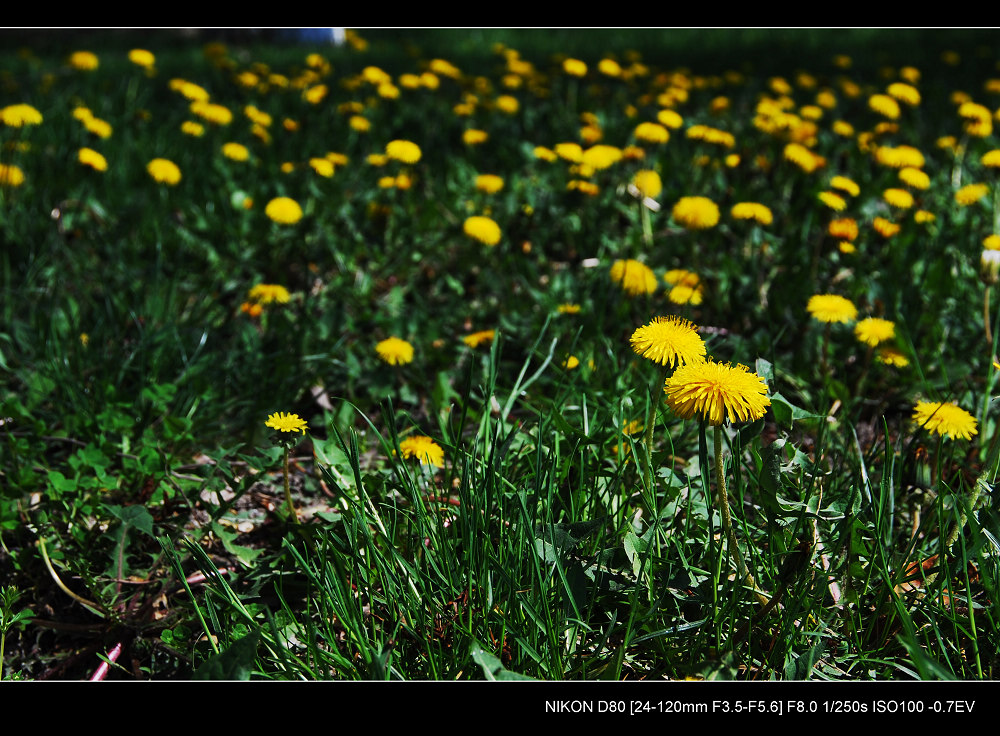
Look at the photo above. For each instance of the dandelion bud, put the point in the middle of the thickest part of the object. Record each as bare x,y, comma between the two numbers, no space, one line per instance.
989,267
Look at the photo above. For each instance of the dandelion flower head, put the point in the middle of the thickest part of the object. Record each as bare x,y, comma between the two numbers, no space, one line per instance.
634,276
752,211
669,341
873,330
405,151
696,213
19,115
945,418
475,339
395,351
831,308
424,449
286,422
483,229
718,392
283,210
164,171
93,159
269,293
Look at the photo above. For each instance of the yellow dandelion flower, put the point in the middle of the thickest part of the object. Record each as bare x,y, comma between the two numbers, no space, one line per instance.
141,57
696,213
575,67
483,337
570,362
669,341
269,293
978,119
831,308
803,157
19,115
914,178
568,308
404,151
395,351
717,392
991,159
832,200
634,276
651,133
212,112
322,166
971,193
235,151
845,184
507,104
164,171
283,210
873,331
572,152
648,183
844,228
886,228
892,356
489,183
899,198
904,93
545,154
681,276
600,157
315,94
359,123
609,68
884,105
473,137
992,242
922,216
684,294
286,422
424,449
899,157
193,129
752,211
670,118
11,175
83,60
93,159
483,229
947,419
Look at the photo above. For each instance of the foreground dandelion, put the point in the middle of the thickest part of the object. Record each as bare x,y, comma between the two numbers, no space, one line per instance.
283,210
90,157
716,393
287,424
424,449
395,351
947,419
19,115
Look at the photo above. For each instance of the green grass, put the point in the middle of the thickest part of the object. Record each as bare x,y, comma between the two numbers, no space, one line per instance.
142,496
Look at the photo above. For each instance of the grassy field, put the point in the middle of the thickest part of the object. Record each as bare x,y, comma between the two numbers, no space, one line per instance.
498,354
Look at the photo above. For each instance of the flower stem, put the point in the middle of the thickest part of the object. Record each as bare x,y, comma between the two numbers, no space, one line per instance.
986,317
288,491
727,521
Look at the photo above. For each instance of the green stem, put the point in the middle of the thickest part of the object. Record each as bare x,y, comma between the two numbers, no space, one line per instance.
727,521
288,491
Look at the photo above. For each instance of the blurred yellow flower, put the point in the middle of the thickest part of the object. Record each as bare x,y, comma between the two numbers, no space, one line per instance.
831,308
696,213
844,228
141,57
884,105
212,112
899,198
322,166
752,211
93,159
11,175
885,228
651,133
405,151
475,339
473,137
395,351
283,210
971,193
634,276
235,151
489,183
873,330
575,67
832,200
19,115
648,183
269,293
190,127
164,171
83,60
483,229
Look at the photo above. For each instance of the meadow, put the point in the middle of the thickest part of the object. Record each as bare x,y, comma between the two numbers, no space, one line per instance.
502,355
